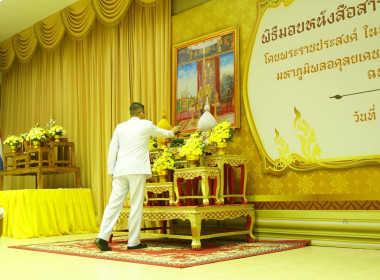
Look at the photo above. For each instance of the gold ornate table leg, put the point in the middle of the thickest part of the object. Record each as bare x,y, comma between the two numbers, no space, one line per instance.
205,190
249,226
39,180
195,223
177,190
171,197
221,184
146,199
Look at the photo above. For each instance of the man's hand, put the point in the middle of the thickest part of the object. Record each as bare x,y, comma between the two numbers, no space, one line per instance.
176,130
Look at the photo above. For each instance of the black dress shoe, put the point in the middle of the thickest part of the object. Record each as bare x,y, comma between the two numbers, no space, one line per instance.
140,246
102,244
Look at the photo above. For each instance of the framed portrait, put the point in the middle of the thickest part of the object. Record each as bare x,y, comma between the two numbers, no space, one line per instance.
206,71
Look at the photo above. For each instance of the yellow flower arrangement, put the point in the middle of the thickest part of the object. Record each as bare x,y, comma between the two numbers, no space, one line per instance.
195,145
56,130
165,161
13,140
36,134
24,136
221,133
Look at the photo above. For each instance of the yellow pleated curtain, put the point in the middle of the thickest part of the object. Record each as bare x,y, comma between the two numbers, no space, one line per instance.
83,66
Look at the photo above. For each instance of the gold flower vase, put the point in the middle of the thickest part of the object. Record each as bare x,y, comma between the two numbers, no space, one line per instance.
13,149
163,176
36,144
221,148
155,178
57,138
162,143
193,160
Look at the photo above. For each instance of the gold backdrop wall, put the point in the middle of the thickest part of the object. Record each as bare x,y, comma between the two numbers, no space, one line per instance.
343,189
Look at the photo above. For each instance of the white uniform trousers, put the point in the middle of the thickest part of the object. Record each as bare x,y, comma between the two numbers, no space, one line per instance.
121,185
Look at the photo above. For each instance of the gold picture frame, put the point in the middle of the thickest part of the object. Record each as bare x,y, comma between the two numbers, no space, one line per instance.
206,69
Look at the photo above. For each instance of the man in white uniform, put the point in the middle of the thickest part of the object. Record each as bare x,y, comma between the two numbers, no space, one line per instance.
129,166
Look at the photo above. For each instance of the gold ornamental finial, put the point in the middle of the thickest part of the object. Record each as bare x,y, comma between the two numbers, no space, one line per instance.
164,123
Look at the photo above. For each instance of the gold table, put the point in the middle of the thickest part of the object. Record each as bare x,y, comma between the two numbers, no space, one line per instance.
206,174
56,157
227,180
159,188
38,172
195,214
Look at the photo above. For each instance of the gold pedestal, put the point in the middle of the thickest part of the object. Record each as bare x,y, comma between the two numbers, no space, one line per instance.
163,176
221,147
193,161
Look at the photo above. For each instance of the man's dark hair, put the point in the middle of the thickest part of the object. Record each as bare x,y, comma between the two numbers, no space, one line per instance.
136,108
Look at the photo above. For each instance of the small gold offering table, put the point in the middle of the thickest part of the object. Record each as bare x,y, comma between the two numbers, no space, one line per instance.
195,214
227,181
159,189
210,177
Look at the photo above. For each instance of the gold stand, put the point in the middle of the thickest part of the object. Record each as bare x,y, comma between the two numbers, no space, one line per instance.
159,188
223,162
56,157
195,214
203,172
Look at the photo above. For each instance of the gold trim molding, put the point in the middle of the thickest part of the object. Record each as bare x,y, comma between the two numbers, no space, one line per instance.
313,197
358,229
317,202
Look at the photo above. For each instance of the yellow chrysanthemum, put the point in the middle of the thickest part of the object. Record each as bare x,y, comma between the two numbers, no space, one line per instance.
193,146
221,133
56,130
13,140
36,134
165,161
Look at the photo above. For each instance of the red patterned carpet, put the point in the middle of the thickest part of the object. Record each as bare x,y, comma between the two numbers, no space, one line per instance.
168,252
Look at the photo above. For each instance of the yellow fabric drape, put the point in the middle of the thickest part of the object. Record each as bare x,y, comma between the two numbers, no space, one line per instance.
38,213
152,70
50,31
87,86
77,19
7,55
25,44
110,11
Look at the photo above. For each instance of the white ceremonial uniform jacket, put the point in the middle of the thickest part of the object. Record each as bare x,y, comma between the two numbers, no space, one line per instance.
129,149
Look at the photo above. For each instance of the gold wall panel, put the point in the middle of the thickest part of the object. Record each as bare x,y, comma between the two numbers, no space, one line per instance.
319,205
221,14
